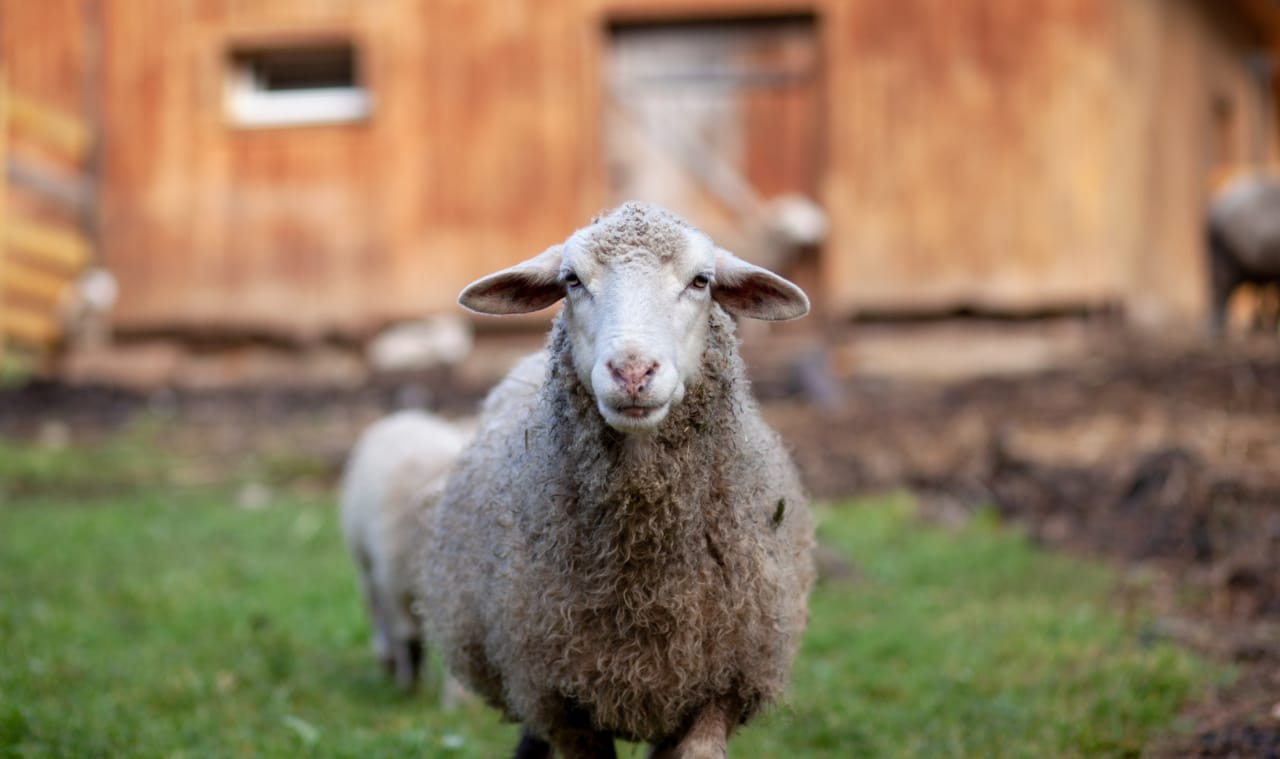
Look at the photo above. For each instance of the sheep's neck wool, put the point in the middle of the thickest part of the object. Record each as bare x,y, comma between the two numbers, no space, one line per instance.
647,544
648,493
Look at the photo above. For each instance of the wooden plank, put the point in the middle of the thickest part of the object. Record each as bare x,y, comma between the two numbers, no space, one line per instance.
55,128
32,283
70,190
4,145
35,329
49,244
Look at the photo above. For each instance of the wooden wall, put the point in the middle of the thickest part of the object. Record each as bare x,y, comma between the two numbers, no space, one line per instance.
46,54
995,154
1200,115
976,155
47,215
1021,157
472,158
43,49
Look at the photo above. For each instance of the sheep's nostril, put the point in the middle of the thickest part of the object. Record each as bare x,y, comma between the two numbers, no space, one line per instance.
633,376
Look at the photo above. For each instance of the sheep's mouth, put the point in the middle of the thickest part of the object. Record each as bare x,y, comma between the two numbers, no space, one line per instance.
634,418
637,412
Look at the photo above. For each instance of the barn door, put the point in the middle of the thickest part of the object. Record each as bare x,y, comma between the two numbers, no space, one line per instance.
719,122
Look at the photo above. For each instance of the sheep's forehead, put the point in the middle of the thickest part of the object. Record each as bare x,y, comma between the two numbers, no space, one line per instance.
637,233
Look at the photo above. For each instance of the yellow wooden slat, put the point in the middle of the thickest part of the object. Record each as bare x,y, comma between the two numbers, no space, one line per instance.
46,243
26,327
4,162
55,128
32,283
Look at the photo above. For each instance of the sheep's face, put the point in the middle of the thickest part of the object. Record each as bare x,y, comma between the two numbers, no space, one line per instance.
638,286
638,320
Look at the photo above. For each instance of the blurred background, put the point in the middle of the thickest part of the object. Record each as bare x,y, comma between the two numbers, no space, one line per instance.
306,173
252,219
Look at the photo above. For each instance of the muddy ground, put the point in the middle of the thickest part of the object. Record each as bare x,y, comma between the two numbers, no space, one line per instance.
1165,462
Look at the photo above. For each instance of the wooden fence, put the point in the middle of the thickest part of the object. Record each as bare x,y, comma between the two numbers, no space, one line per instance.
39,259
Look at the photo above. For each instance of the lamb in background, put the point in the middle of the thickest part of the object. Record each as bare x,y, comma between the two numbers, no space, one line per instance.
624,551
396,471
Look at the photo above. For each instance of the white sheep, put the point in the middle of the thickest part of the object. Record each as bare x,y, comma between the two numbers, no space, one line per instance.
1243,230
397,470
624,551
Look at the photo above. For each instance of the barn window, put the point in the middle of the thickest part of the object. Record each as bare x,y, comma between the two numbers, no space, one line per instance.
296,84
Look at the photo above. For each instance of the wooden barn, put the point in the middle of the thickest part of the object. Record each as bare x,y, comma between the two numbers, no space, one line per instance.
304,169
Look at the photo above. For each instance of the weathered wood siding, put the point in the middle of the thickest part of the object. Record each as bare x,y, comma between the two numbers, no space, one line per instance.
1198,113
994,154
43,50
45,148
45,56
714,120
1021,157
473,157
976,155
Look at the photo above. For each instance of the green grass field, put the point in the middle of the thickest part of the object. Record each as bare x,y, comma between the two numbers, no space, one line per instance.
143,618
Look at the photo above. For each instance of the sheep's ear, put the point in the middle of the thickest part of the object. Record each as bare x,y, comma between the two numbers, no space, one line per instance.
747,290
528,286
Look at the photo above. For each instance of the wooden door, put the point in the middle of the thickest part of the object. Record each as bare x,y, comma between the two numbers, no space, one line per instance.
718,121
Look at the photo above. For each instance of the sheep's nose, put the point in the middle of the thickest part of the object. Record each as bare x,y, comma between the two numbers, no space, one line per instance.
633,375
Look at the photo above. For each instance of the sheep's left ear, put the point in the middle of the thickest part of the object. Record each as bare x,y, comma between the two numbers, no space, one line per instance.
528,286
747,290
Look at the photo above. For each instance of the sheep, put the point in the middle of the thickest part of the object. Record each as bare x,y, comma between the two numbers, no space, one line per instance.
1243,239
624,550
396,470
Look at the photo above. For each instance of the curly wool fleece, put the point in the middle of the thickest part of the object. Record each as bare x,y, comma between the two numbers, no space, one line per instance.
578,575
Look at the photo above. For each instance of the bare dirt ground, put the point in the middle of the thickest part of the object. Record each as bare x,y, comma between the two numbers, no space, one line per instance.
1163,461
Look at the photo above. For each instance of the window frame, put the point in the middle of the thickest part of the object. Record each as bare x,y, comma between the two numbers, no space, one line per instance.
248,104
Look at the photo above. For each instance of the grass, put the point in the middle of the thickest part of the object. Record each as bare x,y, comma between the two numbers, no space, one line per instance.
971,644
127,462
160,620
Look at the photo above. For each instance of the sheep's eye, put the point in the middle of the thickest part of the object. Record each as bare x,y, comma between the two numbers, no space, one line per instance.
700,282
571,280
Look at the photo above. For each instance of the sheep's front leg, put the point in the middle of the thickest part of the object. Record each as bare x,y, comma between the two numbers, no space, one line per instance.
706,737
584,744
381,640
571,744
532,747
406,662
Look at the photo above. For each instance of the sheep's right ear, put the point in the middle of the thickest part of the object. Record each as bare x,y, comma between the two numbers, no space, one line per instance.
745,289
528,286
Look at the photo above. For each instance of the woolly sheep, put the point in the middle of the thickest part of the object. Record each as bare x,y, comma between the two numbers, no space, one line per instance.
1244,239
624,551
395,472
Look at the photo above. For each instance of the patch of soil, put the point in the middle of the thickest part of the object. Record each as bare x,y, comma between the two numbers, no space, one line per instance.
1161,462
